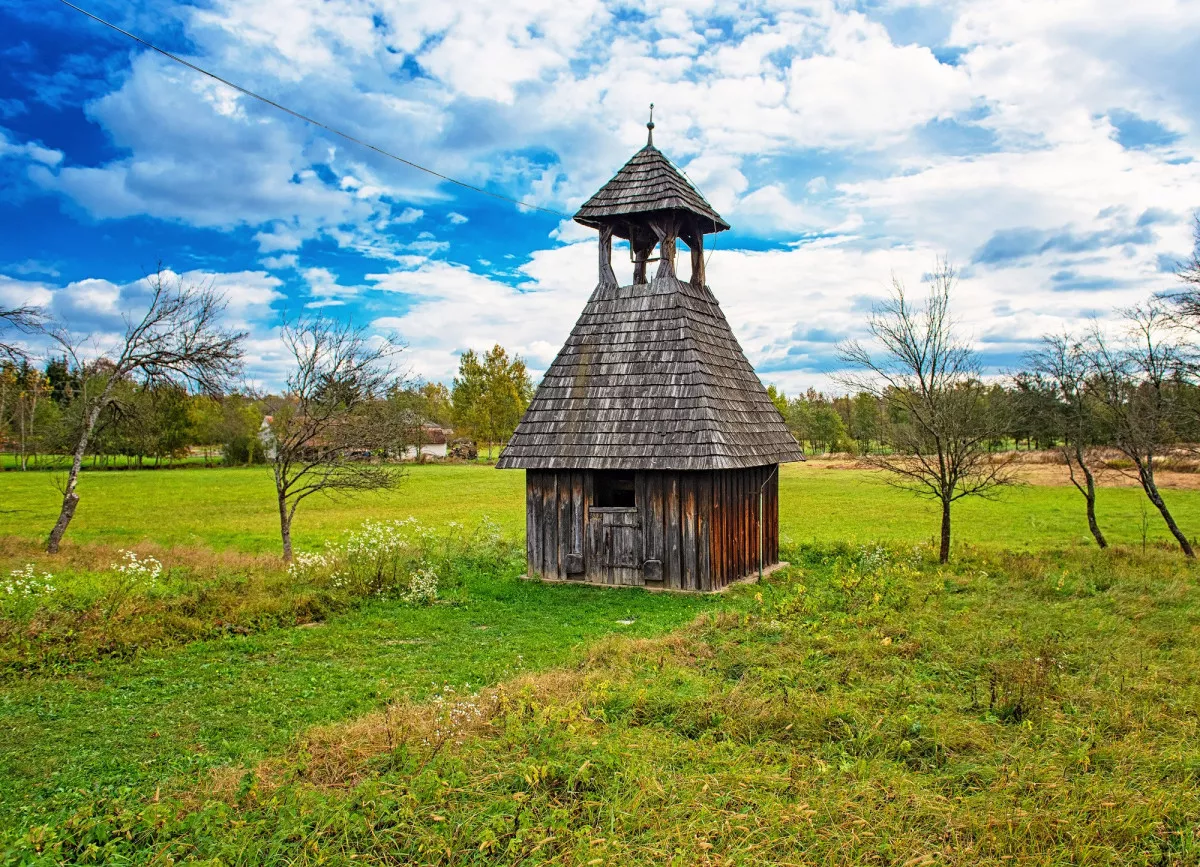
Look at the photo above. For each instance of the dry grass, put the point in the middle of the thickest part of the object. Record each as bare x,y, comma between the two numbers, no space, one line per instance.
339,756
1178,471
96,557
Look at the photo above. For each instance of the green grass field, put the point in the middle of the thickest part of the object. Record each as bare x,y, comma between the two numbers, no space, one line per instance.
1033,703
234,508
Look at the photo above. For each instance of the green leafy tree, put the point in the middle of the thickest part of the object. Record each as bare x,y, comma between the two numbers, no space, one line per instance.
490,395
799,420
827,431
204,418
239,430
865,420
779,399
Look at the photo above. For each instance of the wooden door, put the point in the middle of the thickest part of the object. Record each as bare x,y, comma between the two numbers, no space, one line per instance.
614,553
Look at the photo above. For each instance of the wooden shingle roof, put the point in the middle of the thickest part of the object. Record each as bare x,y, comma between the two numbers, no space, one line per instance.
648,183
651,378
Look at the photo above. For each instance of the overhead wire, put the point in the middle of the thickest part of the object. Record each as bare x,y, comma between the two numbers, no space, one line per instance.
311,120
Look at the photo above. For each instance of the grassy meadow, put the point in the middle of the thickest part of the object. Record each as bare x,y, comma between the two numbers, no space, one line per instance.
1035,702
234,509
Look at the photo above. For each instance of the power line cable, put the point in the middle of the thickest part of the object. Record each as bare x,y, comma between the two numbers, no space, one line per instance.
310,120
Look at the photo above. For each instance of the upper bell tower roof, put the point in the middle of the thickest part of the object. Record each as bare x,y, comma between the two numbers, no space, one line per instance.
648,184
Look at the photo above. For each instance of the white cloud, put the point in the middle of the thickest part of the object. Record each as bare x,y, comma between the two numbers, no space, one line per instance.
16,293
794,118
325,290
279,263
28,151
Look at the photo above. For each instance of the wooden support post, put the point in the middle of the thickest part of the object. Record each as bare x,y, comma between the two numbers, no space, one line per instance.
666,264
640,255
666,230
608,277
698,261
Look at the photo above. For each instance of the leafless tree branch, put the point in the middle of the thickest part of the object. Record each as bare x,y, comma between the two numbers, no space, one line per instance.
1138,385
178,340
328,427
929,381
26,320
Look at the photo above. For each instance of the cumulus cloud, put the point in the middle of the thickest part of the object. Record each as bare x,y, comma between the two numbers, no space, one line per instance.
1052,149
31,151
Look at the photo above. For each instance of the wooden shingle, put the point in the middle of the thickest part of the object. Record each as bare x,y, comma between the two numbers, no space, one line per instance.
651,377
645,185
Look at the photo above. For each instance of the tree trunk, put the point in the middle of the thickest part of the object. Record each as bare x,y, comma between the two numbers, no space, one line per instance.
1089,495
944,552
70,498
285,528
1091,512
1146,474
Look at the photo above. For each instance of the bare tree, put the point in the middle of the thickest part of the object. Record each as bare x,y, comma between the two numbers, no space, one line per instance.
26,319
929,381
1185,303
322,435
1139,388
178,340
1063,365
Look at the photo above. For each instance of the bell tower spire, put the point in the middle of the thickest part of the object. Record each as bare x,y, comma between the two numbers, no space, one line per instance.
650,204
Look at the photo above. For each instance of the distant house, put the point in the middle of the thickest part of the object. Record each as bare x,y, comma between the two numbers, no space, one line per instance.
431,442
651,448
266,437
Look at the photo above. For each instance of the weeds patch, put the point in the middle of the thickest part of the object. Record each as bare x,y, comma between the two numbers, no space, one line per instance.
102,603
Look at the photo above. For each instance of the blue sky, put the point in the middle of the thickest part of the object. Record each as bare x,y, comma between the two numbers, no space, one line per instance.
1049,150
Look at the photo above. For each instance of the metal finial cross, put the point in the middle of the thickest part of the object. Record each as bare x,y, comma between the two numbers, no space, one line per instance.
650,126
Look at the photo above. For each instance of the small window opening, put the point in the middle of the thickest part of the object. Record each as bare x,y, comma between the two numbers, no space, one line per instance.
614,490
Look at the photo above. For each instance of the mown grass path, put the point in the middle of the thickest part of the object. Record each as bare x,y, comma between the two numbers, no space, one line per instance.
140,724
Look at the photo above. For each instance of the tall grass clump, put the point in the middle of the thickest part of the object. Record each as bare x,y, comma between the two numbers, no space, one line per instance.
98,603
405,559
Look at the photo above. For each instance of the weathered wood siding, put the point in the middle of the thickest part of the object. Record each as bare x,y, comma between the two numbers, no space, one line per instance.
689,530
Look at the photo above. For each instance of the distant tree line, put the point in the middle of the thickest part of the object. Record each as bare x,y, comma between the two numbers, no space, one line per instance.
1028,417
145,424
148,424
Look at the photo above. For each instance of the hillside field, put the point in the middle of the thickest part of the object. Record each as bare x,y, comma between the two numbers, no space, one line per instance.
1036,702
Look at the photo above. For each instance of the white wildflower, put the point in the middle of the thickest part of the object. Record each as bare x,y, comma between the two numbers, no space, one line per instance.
27,582
422,587
138,570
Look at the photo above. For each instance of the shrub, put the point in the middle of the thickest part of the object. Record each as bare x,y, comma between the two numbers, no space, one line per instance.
404,559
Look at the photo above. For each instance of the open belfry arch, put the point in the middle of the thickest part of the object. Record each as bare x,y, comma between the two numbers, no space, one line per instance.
651,448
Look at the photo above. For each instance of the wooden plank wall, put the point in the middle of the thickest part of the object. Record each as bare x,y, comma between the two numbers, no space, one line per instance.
555,510
734,530
702,527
